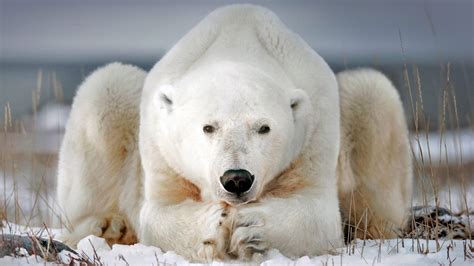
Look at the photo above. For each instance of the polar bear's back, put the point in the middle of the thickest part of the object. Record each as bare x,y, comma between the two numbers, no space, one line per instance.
249,34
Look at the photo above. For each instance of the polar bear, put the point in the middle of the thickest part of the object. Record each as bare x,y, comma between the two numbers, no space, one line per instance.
240,139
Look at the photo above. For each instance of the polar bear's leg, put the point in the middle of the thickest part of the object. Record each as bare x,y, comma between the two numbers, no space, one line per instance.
374,167
197,230
307,223
99,141
297,214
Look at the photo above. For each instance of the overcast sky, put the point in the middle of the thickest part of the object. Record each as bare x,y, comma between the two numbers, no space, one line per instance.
100,30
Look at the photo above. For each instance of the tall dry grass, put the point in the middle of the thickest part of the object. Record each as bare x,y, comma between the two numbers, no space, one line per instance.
28,170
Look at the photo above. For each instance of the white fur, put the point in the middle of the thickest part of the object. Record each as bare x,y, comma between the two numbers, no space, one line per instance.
374,168
236,70
267,54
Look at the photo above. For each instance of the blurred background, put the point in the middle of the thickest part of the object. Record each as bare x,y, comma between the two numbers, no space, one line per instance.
47,47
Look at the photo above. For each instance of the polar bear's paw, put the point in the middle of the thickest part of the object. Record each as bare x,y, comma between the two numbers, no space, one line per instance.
113,227
116,230
248,237
217,231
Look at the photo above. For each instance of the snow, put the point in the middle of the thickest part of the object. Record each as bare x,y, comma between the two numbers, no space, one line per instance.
452,146
15,229
370,252
455,197
51,117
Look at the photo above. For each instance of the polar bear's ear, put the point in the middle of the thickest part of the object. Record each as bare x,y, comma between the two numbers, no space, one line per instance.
299,102
164,97
302,118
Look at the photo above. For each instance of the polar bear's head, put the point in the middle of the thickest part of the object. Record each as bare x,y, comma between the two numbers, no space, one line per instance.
230,128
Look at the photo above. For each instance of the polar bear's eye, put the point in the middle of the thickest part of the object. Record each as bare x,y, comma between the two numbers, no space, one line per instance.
264,129
208,129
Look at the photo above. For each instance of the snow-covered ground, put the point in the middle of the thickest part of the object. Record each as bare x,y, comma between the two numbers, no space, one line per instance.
388,252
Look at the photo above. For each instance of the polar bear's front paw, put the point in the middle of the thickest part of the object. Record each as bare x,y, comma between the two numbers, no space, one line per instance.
248,237
217,231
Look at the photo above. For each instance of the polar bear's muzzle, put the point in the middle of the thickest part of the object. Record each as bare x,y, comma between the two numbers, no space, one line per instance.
237,182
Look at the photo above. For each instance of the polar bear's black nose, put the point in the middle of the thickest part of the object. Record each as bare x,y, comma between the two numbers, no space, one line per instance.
237,181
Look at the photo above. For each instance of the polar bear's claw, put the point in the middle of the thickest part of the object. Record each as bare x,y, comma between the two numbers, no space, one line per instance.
114,228
217,235
248,237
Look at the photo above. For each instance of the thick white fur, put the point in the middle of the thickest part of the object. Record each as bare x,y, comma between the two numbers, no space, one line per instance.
374,167
237,69
98,173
